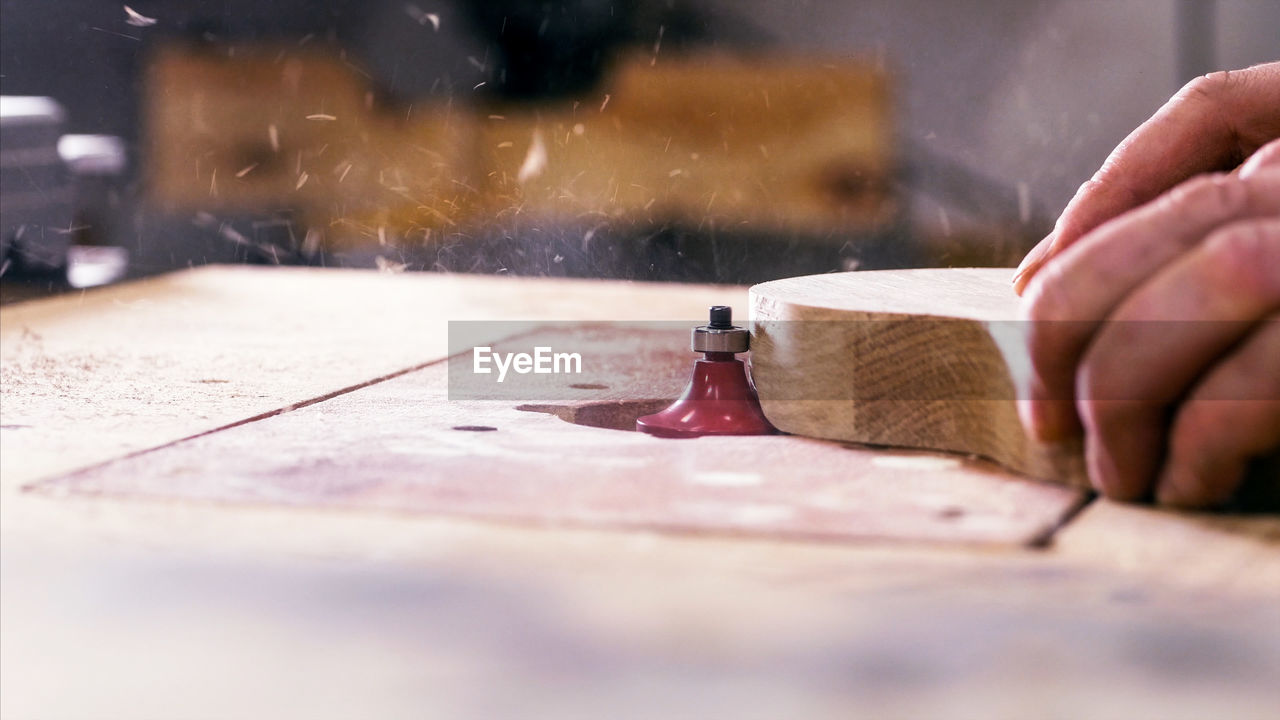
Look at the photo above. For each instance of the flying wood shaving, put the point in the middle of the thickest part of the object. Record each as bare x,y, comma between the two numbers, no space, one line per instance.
233,235
311,243
321,116
389,266
137,19
422,17
1024,202
535,161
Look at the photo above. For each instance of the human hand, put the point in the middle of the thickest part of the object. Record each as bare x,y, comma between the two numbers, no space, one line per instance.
1171,354
1212,125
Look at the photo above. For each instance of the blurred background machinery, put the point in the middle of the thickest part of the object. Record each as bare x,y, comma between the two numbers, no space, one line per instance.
697,140
58,195
35,193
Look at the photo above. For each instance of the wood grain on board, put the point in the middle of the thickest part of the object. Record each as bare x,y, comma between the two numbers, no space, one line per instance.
406,446
907,358
924,358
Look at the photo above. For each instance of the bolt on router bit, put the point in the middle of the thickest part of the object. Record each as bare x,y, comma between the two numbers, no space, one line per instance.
720,399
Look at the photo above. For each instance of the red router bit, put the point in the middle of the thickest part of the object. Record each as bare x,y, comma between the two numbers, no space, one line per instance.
720,399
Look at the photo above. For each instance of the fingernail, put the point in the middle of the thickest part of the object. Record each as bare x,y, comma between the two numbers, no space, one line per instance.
1031,263
1034,254
1022,278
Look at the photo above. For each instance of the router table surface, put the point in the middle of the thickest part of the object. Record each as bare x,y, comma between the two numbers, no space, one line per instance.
234,492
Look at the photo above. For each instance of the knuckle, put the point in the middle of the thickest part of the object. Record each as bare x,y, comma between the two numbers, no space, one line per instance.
1209,87
1110,180
1244,256
1224,196
1100,181
1214,195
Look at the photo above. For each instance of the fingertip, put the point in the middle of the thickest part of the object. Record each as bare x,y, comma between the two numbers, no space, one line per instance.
1046,416
1118,454
1173,498
1105,476
1101,470
1176,496
1022,278
1031,264
1054,421
1183,487
1171,490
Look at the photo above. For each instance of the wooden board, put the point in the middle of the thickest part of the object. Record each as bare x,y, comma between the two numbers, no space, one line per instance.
906,358
404,446
927,358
